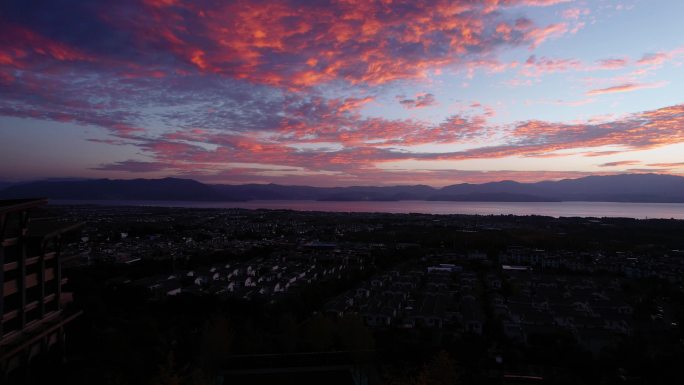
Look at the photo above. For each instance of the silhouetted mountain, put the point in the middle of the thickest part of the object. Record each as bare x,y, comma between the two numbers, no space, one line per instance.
506,186
4,185
612,188
136,189
618,188
608,188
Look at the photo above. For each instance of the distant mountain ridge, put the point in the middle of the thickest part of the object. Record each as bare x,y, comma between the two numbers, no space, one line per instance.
609,188
107,189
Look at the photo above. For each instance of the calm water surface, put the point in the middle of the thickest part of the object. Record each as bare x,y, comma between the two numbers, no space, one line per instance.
553,209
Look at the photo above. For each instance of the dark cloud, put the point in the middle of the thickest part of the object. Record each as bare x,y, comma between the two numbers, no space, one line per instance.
421,100
133,166
620,163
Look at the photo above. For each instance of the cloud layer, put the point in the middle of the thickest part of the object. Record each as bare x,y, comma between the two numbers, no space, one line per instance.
280,90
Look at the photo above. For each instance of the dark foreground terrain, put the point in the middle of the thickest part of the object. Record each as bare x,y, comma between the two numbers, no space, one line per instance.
188,296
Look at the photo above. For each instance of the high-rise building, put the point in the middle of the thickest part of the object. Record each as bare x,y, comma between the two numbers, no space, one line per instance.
32,302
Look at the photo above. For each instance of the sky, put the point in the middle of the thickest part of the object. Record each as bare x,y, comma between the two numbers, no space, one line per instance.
340,92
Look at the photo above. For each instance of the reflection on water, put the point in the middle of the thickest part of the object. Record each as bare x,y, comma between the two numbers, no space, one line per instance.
553,209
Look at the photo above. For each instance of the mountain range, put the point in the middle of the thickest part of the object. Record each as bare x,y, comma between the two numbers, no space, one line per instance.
609,188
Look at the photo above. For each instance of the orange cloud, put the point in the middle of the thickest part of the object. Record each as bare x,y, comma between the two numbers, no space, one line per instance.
357,41
667,165
361,145
236,83
282,43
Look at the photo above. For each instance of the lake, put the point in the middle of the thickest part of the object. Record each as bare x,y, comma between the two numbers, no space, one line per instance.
552,209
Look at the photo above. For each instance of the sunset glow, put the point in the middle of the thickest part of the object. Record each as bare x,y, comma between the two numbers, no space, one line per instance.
341,92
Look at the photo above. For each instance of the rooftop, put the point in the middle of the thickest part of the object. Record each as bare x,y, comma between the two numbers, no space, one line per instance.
10,205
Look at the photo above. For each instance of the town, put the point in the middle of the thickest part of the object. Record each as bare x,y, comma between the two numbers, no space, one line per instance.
452,277
496,299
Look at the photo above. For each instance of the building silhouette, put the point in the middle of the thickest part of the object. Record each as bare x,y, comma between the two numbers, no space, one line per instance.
32,300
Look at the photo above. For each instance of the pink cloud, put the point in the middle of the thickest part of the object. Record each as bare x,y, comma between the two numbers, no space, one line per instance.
657,59
243,82
653,58
530,3
354,41
627,87
673,165
539,35
361,151
575,13
612,63
321,43
539,66
22,48
570,103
